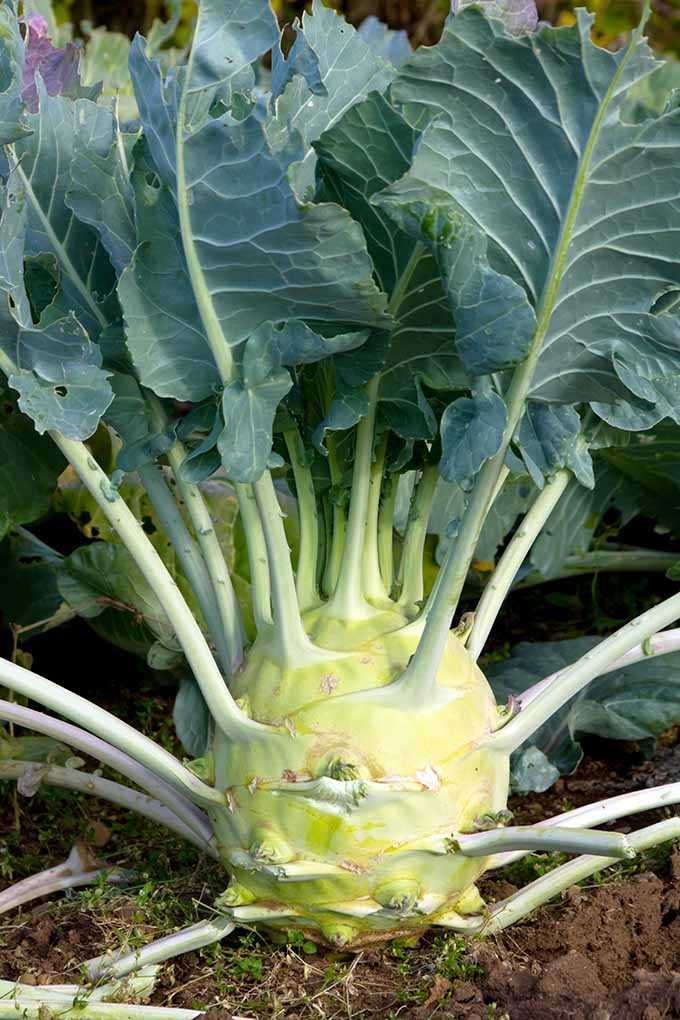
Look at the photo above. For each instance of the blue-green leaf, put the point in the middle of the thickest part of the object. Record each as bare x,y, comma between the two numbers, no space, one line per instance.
59,378
549,438
163,326
100,193
580,209
635,703
386,42
12,122
191,718
471,432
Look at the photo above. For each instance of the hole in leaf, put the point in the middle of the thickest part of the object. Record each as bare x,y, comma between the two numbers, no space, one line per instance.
148,525
61,391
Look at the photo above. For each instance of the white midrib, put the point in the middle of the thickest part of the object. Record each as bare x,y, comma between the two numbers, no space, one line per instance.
519,387
211,323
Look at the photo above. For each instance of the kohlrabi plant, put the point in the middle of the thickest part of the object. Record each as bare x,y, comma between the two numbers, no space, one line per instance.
364,264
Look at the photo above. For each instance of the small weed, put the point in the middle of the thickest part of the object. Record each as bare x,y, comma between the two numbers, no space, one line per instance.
453,961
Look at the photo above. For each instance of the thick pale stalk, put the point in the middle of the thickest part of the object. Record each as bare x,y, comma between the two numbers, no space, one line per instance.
411,565
521,903
288,628
258,560
347,597
574,678
513,557
609,560
664,643
189,555
107,754
335,544
603,811
121,963
570,840
386,531
305,576
16,1006
105,789
229,624
79,869
140,986
103,724
223,709
373,585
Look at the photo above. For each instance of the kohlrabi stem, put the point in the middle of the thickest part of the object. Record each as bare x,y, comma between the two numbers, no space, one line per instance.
105,789
386,530
373,586
512,559
410,578
306,573
116,759
123,962
607,560
421,673
521,903
188,553
111,729
424,665
348,591
223,709
663,643
569,840
575,677
335,542
289,630
603,811
80,867
35,1003
230,623
258,560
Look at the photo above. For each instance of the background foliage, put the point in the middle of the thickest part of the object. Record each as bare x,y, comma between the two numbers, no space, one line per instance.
422,19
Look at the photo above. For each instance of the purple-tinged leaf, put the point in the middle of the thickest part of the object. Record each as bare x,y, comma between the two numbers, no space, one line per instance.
57,66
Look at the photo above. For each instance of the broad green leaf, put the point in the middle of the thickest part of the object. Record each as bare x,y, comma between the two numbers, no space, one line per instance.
302,60
494,319
100,193
368,148
259,256
345,410
249,406
157,102
12,121
349,69
30,465
635,703
129,416
568,529
103,580
386,42
471,431
529,145
549,437
87,276
518,16
163,325
191,718
58,376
